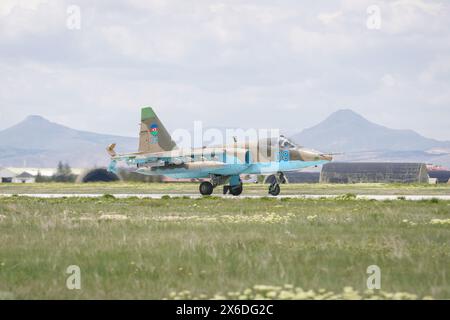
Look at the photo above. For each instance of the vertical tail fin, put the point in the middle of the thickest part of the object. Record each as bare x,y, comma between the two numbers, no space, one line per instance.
153,137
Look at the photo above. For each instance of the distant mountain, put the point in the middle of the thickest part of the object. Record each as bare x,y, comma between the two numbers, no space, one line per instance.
347,131
37,142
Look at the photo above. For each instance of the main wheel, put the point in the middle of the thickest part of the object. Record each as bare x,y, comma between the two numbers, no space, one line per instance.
274,189
206,188
236,190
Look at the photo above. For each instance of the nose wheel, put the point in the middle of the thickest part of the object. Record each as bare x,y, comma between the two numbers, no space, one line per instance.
274,188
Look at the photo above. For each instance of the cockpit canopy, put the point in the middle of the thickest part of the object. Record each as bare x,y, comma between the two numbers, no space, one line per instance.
285,143
282,143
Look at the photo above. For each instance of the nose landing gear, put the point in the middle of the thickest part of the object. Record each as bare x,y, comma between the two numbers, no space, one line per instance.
274,188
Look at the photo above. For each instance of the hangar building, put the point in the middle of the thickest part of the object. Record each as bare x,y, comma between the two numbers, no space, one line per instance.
374,172
442,176
6,175
297,177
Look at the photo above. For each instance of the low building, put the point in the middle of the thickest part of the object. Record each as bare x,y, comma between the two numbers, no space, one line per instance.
24,177
6,175
374,172
45,172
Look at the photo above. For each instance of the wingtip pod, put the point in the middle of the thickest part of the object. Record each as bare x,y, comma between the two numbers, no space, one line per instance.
110,150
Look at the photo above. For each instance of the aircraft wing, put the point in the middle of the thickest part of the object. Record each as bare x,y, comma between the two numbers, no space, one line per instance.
152,159
191,157
180,156
174,157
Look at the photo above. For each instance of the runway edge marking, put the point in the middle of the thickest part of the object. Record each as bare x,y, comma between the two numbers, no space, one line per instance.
195,196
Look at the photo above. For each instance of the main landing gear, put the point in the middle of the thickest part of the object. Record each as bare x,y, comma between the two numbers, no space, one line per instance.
234,190
274,188
234,187
206,188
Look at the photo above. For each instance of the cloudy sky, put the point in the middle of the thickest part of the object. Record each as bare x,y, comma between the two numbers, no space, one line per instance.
285,64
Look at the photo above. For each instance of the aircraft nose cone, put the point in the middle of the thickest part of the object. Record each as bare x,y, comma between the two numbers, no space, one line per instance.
310,155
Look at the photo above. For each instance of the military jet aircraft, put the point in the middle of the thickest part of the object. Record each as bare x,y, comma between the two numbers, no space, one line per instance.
222,165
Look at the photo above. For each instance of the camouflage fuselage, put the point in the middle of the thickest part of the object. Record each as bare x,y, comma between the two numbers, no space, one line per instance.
239,158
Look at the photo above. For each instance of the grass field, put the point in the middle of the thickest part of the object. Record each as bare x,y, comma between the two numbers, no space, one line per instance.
212,247
250,188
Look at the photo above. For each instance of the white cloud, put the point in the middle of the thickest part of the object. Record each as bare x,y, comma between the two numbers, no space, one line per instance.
437,71
320,43
7,6
420,16
24,18
388,80
146,46
329,18
225,62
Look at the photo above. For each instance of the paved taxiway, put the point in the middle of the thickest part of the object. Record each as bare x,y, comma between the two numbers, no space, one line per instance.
194,196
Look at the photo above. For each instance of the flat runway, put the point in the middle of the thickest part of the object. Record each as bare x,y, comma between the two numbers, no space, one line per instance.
194,196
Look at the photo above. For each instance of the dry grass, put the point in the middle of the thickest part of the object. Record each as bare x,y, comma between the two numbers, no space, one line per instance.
144,248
